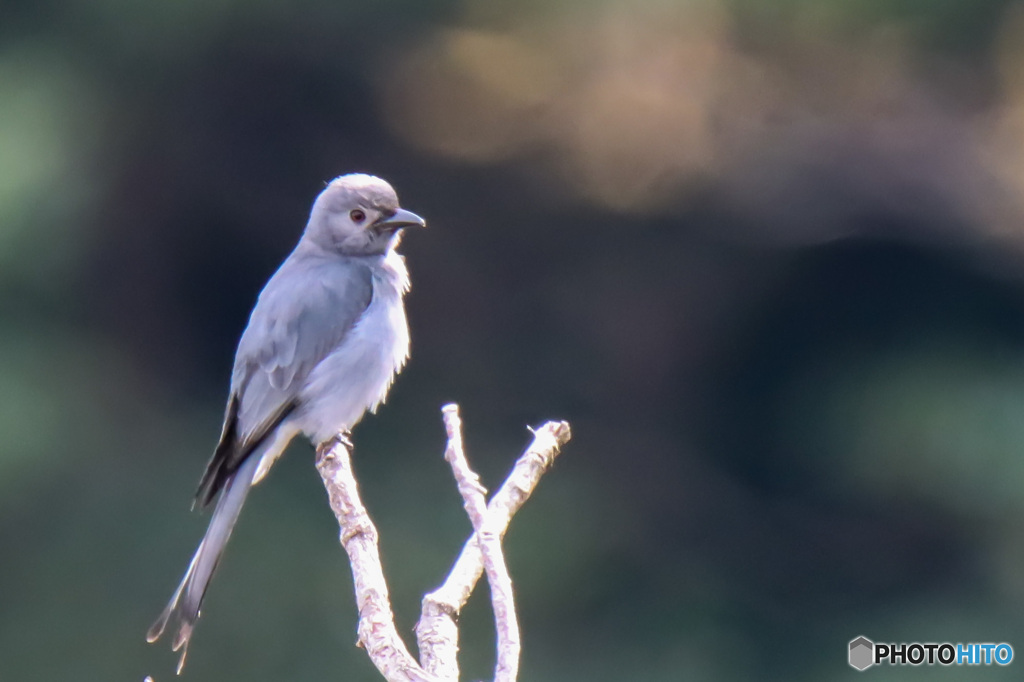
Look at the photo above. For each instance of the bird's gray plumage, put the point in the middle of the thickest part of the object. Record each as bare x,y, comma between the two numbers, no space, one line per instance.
324,341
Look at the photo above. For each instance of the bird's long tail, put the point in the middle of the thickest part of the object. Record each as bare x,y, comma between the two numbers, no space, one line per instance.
184,604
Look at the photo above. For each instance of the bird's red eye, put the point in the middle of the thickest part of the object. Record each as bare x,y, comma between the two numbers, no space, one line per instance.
357,215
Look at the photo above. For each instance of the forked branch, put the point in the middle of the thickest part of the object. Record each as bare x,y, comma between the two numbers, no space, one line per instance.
437,629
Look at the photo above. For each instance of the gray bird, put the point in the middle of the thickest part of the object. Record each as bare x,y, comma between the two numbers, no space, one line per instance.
323,344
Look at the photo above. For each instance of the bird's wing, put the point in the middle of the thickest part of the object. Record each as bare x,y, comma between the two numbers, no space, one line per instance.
303,314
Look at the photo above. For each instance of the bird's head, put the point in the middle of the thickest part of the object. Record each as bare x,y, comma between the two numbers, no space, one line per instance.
358,215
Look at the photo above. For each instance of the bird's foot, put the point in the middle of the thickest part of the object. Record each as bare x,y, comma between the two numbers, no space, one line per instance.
344,438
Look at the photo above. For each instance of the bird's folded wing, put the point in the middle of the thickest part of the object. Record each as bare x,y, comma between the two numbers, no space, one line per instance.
302,315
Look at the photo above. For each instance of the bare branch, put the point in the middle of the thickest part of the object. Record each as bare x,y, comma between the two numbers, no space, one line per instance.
377,632
489,540
437,629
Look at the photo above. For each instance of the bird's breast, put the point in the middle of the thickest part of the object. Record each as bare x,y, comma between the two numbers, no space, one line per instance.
356,375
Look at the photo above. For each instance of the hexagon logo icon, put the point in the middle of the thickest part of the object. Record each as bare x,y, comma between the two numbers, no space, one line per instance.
862,653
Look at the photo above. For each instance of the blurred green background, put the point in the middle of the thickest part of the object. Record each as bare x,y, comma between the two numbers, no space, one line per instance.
766,257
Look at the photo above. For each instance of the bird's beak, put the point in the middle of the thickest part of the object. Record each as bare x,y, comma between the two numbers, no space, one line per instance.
400,219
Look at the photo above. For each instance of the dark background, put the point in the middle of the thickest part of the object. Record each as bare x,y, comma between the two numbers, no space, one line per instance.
765,257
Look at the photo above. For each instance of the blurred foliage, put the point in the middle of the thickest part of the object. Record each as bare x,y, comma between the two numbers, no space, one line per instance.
765,257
